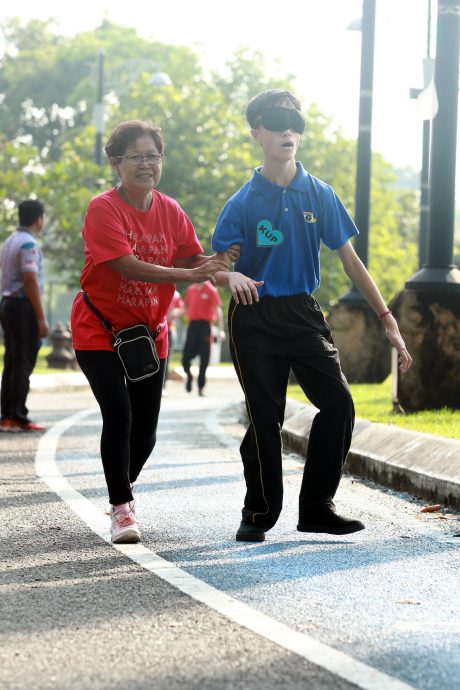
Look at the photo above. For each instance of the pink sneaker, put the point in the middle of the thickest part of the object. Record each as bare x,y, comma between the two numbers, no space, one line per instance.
124,529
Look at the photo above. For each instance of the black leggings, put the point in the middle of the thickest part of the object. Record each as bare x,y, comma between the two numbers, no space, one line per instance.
129,418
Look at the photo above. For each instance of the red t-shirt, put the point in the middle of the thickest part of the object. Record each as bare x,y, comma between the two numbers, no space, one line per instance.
113,229
202,300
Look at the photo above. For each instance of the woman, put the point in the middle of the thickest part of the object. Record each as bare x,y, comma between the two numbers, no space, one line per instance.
138,243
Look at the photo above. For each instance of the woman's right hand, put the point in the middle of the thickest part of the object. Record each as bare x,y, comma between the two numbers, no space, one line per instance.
206,271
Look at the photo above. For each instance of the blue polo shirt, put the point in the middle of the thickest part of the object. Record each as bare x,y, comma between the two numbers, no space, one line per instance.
280,230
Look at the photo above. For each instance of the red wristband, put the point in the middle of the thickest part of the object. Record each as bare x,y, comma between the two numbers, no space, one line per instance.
385,313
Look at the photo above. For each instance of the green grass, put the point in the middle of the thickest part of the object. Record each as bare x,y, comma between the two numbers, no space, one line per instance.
41,366
373,402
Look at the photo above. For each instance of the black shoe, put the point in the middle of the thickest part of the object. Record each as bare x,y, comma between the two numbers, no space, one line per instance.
188,383
201,393
325,519
249,532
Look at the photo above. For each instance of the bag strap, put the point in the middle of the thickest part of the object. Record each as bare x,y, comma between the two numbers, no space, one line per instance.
106,323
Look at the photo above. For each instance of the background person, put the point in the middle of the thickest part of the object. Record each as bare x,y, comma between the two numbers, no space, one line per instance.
138,243
279,218
204,308
175,311
22,315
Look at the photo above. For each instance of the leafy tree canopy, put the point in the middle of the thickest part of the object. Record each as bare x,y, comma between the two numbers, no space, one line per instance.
48,89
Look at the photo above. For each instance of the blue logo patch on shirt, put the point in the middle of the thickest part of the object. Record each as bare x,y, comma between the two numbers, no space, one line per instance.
267,236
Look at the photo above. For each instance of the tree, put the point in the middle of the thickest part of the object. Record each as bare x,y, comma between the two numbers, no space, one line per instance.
49,87
21,172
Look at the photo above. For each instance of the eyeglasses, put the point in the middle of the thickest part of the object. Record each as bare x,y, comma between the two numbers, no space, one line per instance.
278,119
150,158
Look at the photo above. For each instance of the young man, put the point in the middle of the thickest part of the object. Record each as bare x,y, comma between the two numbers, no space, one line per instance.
22,315
279,219
204,308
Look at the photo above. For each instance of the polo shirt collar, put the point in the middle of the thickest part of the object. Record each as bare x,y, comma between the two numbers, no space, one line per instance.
269,189
20,228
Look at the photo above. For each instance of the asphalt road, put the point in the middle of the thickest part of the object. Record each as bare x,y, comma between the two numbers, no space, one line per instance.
190,607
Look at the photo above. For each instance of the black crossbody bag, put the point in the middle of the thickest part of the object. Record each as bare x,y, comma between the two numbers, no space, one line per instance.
134,345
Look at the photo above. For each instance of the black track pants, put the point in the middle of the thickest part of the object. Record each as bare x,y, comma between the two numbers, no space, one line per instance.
197,343
22,343
266,340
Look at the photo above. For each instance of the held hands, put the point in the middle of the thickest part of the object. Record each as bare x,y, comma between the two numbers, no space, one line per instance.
209,265
395,338
205,271
244,289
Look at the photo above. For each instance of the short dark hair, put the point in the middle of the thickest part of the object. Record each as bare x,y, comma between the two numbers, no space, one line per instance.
30,211
267,99
127,132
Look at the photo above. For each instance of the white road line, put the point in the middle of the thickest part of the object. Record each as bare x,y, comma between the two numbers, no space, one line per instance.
338,663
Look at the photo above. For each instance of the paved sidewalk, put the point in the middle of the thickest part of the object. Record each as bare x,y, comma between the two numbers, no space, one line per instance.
423,464
76,379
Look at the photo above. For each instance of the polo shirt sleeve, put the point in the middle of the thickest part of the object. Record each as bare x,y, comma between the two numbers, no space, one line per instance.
229,228
104,235
29,257
337,225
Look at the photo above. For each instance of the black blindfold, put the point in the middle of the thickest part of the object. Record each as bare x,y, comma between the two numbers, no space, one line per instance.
279,119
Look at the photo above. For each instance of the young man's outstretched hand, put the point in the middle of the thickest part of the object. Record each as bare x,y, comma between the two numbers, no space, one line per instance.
244,289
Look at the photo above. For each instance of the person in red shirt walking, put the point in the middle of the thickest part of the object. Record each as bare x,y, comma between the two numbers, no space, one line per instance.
204,308
138,244
175,311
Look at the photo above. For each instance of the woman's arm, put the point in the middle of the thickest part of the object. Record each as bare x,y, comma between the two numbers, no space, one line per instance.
134,269
360,277
227,258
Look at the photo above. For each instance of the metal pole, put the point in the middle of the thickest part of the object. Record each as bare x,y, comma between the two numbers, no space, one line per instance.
99,109
424,196
440,247
364,149
440,272
425,173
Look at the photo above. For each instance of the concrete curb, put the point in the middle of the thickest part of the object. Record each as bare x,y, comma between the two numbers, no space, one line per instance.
423,464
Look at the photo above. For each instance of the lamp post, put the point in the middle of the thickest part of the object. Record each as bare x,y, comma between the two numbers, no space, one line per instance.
126,71
364,354
440,273
428,112
364,148
429,306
